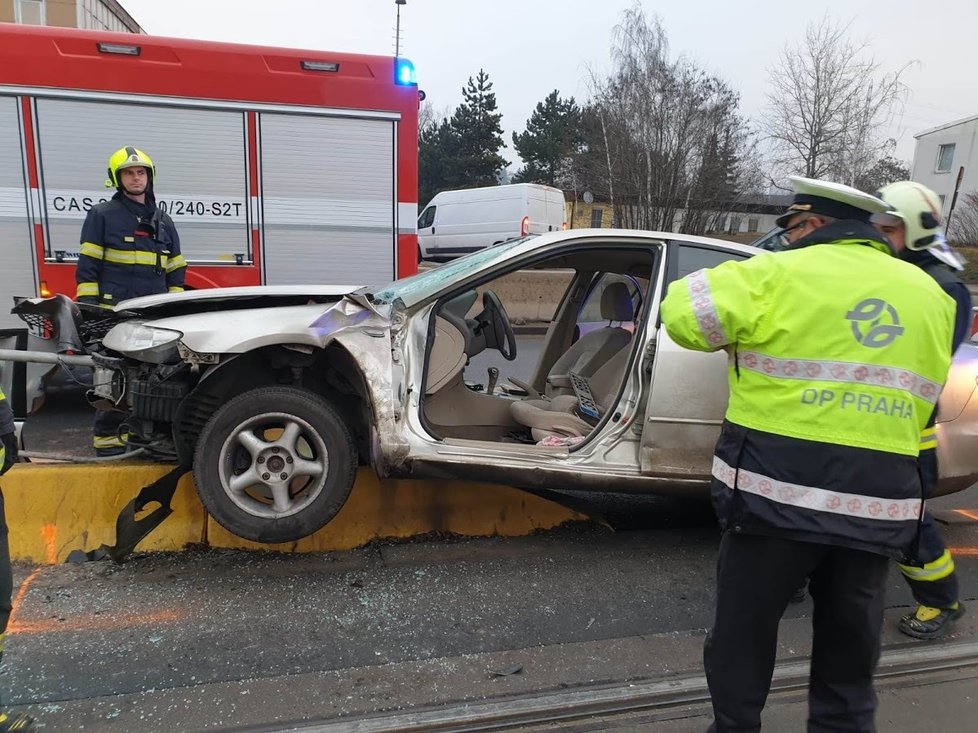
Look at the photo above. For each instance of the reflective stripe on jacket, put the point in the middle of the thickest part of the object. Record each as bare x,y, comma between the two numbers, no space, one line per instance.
124,257
839,354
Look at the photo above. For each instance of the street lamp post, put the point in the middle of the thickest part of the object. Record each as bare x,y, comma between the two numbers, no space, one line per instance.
397,32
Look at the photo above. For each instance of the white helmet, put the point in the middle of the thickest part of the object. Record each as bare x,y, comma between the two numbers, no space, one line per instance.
919,209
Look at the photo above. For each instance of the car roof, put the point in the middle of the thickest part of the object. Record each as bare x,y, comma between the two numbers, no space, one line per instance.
656,236
417,288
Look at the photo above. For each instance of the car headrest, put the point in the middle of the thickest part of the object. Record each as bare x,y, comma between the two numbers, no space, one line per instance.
616,303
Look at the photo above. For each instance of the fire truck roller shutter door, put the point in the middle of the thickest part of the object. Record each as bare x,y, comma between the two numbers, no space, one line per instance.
200,165
16,257
329,198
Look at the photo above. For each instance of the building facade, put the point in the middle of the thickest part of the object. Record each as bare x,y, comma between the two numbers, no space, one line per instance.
750,217
105,15
945,153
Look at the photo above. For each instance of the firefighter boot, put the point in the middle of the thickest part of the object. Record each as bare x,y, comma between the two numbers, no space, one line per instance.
930,623
16,722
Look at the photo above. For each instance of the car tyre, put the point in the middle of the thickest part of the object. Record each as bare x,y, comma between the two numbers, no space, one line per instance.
275,464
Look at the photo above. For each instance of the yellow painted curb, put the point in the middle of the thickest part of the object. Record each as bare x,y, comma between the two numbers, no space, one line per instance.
54,509
406,508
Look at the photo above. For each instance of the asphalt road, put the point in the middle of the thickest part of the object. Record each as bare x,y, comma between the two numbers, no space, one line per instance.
241,638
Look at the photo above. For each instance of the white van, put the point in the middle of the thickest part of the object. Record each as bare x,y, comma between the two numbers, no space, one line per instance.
458,222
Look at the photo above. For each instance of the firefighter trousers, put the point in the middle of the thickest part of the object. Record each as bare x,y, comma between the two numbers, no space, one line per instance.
108,438
936,583
756,576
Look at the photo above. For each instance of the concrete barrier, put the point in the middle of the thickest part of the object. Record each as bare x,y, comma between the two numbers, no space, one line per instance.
530,296
54,509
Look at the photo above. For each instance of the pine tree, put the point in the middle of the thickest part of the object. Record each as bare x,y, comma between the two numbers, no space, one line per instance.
552,137
476,130
437,149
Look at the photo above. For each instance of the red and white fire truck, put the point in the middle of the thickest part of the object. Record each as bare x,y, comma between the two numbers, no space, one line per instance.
277,165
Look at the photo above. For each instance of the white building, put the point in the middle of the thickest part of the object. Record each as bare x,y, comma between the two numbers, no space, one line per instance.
942,154
107,15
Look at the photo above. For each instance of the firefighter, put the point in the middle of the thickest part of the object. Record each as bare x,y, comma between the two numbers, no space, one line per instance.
8,456
838,351
913,227
129,248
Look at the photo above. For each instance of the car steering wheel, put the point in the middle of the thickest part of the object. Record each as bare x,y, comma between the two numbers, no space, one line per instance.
502,329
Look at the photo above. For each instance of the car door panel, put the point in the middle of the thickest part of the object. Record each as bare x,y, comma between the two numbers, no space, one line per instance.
688,398
689,390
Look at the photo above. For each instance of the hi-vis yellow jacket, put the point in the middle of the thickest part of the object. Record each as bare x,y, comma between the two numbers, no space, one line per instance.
838,352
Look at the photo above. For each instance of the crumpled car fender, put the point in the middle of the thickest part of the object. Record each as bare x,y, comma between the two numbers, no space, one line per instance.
365,332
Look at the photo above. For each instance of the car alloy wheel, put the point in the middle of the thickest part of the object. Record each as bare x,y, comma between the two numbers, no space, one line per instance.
275,464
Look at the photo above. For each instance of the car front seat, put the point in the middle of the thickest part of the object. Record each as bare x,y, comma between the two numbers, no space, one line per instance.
595,348
558,416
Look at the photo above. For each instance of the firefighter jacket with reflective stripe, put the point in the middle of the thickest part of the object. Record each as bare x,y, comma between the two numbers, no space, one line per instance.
952,285
128,250
838,355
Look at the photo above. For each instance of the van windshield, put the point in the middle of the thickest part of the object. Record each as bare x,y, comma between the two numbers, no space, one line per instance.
416,288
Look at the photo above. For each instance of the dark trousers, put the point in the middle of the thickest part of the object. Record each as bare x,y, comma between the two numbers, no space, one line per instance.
106,436
932,585
935,584
756,577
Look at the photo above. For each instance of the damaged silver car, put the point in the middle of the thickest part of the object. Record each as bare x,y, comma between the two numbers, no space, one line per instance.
275,395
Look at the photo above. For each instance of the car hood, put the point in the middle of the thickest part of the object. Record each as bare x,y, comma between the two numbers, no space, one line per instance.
239,331
222,299
256,317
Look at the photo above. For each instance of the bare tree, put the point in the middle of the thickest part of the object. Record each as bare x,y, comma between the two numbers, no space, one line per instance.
667,137
964,224
886,169
429,117
828,104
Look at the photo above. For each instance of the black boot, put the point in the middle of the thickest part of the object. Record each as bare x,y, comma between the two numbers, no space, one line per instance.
930,623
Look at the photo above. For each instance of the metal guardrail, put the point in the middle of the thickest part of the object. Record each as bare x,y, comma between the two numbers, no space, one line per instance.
45,357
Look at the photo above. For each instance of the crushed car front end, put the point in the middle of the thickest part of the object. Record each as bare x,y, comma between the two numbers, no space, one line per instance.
170,365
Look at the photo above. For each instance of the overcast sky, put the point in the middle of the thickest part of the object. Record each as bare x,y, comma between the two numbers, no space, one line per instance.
530,47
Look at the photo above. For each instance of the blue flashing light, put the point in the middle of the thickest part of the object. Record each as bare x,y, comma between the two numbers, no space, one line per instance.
404,73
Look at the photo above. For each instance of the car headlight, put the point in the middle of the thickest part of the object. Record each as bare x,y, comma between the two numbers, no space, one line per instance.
142,341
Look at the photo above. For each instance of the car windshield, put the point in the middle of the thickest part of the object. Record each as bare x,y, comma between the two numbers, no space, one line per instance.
774,241
416,288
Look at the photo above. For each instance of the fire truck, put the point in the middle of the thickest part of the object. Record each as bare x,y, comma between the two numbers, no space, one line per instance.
277,165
